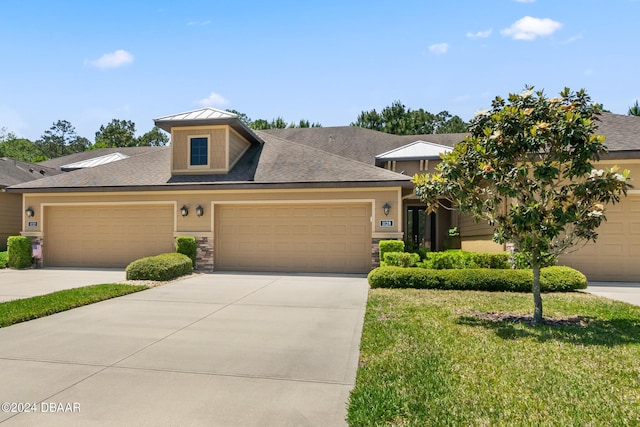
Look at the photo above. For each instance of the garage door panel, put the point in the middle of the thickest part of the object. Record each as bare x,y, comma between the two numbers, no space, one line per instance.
311,238
616,254
105,236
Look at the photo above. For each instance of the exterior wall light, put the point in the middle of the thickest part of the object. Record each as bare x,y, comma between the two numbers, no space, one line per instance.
29,211
386,208
199,210
184,211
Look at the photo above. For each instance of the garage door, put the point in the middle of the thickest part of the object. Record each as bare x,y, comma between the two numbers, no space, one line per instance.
332,238
105,236
616,254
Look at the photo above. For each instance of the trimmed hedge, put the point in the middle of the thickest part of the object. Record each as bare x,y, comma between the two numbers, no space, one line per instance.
552,279
401,259
19,252
188,246
462,259
390,246
3,259
160,267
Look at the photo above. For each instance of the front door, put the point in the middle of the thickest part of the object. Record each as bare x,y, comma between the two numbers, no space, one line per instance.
421,228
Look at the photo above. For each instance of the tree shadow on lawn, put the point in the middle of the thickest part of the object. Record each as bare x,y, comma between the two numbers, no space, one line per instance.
574,330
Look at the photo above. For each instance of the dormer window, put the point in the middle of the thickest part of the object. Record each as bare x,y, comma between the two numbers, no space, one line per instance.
198,151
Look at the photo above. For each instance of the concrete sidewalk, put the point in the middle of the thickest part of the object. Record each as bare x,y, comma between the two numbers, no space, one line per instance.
17,284
619,291
211,350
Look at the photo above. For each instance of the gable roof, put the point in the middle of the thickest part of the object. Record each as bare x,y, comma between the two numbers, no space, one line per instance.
14,172
207,116
417,150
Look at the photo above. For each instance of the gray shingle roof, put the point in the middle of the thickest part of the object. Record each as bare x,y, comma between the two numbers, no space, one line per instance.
14,172
622,132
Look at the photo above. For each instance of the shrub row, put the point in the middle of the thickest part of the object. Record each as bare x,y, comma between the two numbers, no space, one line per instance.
160,267
462,259
3,259
552,279
390,246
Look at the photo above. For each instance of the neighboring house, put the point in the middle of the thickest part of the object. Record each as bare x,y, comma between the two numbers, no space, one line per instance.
309,200
14,172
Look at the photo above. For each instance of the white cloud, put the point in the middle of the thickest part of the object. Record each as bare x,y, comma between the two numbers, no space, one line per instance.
480,34
529,28
213,99
198,23
116,59
439,48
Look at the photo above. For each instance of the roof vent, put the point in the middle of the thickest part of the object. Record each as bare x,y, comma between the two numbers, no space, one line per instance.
31,170
41,171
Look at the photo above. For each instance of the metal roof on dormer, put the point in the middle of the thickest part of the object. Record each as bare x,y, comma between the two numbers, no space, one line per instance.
417,150
207,116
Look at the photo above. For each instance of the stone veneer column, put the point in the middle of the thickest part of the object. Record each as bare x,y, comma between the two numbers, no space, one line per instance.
375,252
204,258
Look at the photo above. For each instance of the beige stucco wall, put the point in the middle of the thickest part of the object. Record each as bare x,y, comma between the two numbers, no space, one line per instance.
412,167
10,216
207,199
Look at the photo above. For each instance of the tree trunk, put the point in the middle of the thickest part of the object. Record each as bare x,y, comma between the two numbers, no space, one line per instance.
537,298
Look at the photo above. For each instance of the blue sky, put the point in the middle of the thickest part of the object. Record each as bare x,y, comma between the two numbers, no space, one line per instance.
89,62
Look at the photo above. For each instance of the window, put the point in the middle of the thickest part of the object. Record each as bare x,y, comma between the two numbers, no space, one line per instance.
199,151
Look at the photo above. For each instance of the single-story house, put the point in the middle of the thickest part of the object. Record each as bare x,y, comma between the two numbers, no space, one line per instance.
14,172
309,200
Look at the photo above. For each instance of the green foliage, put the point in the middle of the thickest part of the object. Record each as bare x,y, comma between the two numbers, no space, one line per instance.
154,138
188,246
4,257
21,310
553,279
462,259
401,259
19,148
635,110
118,133
399,120
390,246
19,253
521,260
536,154
60,140
160,267
277,123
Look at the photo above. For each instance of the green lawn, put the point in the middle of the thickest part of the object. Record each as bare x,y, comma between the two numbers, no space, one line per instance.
44,305
427,359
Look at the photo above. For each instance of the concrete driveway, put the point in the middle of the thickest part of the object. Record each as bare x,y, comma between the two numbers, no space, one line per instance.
619,291
16,284
212,350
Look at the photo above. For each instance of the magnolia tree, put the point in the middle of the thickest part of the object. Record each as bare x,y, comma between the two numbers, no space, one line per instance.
527,168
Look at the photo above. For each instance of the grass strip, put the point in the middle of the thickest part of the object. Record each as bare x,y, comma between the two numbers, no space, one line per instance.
21,310
429,359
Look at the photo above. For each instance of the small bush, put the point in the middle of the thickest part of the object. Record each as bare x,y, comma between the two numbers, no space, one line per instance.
552,279
3,259
390,246
160,267
19,253
188,246
401,259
